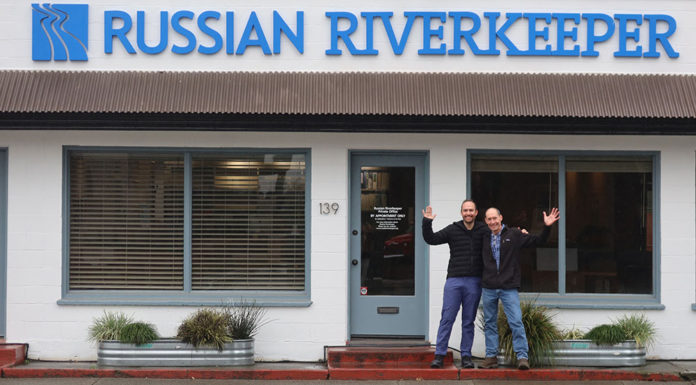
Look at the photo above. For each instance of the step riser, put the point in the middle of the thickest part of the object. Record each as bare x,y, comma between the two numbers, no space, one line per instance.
12,354
387,357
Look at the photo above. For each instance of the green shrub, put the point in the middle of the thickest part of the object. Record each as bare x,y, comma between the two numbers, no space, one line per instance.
138,333
205,327
637,327
108,327
245,320
606,334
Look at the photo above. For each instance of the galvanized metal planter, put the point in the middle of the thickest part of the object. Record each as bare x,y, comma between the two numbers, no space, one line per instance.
173,352
587,353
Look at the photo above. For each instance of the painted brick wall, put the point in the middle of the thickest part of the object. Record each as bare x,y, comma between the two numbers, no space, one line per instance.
59,332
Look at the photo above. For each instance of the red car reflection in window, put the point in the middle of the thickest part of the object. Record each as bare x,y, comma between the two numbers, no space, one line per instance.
399,246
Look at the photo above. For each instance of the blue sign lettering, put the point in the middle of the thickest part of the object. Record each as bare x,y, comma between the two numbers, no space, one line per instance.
215,35
120,33
562,34
163,35
429,32
624,35
253,24
343,34
60,31
183,23
280,27
592,38
663,37
495,34
457,17
534,33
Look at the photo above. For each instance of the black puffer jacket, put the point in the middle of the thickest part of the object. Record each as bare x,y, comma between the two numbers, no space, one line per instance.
511,242
464,244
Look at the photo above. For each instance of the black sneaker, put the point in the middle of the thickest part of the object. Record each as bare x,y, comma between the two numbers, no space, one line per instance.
438,362
467,363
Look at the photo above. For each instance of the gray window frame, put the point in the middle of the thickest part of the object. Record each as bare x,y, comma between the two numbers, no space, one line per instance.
185,297
561,299
3,241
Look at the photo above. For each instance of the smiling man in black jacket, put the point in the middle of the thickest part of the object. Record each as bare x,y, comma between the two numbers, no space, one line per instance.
501,281
463,284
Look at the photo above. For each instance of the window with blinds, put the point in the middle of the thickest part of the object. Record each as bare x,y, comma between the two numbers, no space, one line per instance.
126,221
248,222
129,228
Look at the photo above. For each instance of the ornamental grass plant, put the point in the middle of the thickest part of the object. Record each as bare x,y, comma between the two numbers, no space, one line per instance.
245,319
639,328
138,333
206,327
606,334
572,334
109,326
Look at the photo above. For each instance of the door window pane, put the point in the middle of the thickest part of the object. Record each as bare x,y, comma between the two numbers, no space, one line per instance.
387,204
609,225
522,187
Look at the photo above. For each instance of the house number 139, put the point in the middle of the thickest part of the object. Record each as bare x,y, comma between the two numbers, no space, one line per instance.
326,208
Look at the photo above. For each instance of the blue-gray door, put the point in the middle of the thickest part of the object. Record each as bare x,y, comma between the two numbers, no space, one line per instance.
388,290
3,240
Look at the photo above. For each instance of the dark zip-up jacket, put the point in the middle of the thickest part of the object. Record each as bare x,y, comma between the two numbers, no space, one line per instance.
464,244
511,242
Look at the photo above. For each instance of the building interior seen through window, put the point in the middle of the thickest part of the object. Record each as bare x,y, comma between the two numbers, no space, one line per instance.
607,218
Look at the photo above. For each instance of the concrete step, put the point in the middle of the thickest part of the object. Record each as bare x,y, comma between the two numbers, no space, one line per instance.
387,363
12,354
383,357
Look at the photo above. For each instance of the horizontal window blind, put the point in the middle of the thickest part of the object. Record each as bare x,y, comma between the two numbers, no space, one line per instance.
126,221
513,163
248,222
614,164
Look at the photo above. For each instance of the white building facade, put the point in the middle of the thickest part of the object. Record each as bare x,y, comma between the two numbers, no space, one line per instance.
303,191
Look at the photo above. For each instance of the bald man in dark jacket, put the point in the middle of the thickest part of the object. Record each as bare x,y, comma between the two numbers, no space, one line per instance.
501,282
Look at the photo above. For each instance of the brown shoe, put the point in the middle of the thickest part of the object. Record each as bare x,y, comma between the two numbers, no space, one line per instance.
523,364
489,363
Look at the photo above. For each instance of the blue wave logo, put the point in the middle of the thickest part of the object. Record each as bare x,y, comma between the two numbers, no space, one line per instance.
59,32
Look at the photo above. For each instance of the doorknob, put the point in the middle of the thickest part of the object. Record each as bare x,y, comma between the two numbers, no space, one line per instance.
354,262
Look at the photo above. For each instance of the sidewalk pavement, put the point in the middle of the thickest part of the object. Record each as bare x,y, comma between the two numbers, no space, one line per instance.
664,371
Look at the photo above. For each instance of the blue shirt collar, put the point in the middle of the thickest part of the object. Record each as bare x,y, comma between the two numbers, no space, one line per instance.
502,227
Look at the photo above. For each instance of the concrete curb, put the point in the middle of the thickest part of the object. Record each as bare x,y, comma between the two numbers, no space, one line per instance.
394,374
169,373
566,375
346,374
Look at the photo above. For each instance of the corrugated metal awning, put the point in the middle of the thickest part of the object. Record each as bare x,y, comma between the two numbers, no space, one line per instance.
352,93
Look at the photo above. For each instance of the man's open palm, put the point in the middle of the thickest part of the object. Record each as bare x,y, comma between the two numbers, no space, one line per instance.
428,213
552,217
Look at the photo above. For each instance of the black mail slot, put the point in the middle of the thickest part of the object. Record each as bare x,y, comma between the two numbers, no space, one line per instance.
388,310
